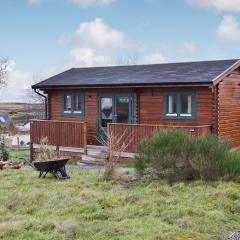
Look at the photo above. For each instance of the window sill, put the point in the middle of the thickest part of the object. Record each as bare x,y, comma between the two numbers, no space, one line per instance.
73,113
180,117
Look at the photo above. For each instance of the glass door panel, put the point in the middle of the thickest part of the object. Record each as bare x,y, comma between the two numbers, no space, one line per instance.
106,111
122,109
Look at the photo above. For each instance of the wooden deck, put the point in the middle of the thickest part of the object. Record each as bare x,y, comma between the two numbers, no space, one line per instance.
59,134
134,133
71,137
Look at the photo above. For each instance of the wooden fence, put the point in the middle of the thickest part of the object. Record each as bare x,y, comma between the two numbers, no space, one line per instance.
134,133
59,133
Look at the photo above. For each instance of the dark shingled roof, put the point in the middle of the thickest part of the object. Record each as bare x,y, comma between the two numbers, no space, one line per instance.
168,73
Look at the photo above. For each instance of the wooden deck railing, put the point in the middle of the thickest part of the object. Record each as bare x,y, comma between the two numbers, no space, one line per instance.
134,133
59,133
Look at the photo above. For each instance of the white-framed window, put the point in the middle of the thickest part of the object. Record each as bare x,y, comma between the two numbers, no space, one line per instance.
73,103
179,105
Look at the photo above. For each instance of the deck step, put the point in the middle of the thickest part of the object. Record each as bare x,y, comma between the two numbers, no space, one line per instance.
98,163
91,160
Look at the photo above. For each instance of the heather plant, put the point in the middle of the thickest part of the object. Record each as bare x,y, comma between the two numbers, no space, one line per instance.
211,156
168,153
174,155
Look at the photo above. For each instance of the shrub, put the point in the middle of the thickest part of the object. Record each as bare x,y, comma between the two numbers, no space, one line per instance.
232,165
210,157
176,156
168,153
4,154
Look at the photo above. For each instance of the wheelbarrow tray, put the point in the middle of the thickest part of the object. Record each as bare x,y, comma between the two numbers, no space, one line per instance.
50,165
56,167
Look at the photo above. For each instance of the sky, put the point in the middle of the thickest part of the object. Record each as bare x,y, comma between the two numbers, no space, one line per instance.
45,37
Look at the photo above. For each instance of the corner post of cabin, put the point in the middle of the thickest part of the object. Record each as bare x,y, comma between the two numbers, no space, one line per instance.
85,138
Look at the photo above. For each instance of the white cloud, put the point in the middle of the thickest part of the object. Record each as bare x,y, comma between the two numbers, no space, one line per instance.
80,3
94,44
219,5
18,83
229,29
90,3
153,59
35,2
98,35
87,57
188,48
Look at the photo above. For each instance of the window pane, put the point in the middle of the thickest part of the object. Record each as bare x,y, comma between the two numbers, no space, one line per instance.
106,111
122,109
186,103
77,104
172,105
67,103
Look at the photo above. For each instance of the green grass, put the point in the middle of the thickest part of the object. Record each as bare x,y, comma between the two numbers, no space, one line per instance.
127,164
16,155
86,208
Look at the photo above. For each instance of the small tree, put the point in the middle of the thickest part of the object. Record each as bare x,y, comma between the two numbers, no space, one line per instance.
115,145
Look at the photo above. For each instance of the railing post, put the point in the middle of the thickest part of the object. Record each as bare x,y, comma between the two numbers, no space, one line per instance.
31,152
85,138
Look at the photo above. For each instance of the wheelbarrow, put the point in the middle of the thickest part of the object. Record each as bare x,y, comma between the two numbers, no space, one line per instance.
56,167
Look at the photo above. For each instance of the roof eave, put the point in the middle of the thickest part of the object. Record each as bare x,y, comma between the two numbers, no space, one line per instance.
209,83
224,74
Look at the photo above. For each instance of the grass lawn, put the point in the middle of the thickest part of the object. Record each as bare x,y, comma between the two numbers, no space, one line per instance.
86,208
15,155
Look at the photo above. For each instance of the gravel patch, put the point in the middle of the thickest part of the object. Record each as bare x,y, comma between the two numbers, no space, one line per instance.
235,235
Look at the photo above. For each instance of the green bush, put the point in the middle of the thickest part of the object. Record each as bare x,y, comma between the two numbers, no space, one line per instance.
210,157
177,156
4,154
232,165
168,153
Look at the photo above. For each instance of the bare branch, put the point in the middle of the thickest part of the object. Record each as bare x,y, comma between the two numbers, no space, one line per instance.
32,96
129,59
4,63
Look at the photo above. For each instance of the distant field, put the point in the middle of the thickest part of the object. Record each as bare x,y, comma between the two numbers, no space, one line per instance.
22,112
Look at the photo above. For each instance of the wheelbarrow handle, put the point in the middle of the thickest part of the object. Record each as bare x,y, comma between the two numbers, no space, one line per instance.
28,162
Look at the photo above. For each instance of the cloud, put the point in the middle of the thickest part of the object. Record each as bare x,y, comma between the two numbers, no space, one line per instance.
98,35
94,44
18,83
219,5
80,3
229,29
34,2
153,59
90,3
188,48
87,57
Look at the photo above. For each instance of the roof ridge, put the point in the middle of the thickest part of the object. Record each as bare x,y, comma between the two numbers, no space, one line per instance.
155,64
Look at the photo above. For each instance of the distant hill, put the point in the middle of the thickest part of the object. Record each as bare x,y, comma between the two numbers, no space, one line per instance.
21,113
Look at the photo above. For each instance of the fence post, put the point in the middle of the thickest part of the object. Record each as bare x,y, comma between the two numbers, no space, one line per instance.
85,138
31,152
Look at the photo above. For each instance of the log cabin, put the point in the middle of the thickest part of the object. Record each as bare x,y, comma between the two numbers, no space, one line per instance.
83,104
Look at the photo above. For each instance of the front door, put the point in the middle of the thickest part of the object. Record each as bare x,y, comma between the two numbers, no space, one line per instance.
113,108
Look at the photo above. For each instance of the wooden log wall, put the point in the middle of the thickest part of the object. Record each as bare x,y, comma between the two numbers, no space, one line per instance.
148,107
229,109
